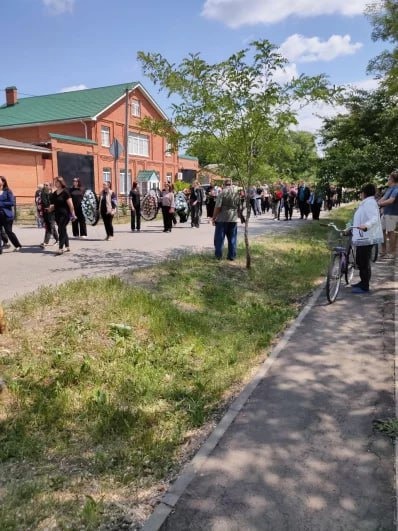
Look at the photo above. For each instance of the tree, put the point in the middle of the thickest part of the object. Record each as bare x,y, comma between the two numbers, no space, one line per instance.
237,102
205,149
361,145
296,157
384,17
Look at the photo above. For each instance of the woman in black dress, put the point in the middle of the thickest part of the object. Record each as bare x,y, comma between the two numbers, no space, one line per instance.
62,206
79,225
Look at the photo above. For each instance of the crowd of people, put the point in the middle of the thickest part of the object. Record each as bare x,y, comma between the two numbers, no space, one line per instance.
224,206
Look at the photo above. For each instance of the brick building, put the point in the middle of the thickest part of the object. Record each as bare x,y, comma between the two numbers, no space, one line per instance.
73,133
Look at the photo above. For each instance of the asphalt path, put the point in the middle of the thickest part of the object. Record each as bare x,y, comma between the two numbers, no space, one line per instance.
32,267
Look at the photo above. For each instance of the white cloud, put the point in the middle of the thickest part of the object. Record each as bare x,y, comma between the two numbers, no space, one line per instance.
310,118
235,13
57,7
73,88
285,74
306,50
365,84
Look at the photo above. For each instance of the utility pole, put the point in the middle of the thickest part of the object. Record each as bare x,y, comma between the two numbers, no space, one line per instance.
126,142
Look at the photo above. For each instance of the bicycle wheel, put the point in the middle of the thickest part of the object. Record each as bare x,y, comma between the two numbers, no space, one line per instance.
333,279
350,264
375,253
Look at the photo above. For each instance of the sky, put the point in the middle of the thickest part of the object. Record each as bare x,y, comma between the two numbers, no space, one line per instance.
51,46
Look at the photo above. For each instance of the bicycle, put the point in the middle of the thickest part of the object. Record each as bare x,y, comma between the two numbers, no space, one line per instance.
375,253
342,262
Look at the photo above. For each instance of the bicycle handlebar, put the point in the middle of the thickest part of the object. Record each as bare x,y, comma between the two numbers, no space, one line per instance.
341,230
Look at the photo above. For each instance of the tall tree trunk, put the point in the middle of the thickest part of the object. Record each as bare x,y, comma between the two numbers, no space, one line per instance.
247,244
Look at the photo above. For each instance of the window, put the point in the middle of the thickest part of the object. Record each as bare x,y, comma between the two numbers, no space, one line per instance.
135,108
107,175
138,145
169,177
105,136
169,149
124,186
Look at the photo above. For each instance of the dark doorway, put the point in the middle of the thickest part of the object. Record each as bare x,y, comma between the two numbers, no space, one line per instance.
188,175
71,165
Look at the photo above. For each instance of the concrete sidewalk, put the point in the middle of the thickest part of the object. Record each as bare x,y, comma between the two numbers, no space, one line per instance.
297,450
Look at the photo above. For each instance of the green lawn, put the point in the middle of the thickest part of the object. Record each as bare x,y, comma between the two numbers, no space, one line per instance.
108,381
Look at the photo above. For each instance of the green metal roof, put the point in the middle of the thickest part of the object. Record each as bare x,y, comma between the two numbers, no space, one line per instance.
187,157
62,106
146,175
77,139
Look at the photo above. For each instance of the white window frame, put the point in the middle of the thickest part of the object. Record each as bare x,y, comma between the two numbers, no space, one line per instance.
169,148
169,177
135,106
105,136
138,145
107,175
124,186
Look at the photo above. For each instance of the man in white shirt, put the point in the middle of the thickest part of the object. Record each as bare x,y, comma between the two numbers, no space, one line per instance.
367,234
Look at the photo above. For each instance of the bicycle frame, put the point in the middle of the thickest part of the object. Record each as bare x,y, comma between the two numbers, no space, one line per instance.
342,262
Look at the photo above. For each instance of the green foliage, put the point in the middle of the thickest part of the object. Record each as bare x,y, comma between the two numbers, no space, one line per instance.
361,146
111,405
179,186
235,109
383,15
387,426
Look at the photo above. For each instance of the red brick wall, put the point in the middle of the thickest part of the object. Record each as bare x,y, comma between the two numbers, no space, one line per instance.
24,170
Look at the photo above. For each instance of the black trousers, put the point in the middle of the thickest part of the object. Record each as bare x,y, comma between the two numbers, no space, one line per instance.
49,227
304,208
136,218
195,215
6,224
79,227
363,255
62,219
167,218
108,224
288,209
315,210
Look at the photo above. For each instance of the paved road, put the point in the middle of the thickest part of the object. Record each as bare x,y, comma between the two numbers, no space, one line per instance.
301,454
33,267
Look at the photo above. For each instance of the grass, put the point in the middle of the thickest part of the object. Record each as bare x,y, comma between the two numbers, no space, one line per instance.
387,426
108,380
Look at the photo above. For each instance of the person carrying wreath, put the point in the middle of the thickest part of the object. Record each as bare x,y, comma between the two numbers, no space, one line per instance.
62,206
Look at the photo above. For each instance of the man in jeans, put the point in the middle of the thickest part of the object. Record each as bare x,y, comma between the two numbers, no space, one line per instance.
225,219
389,202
